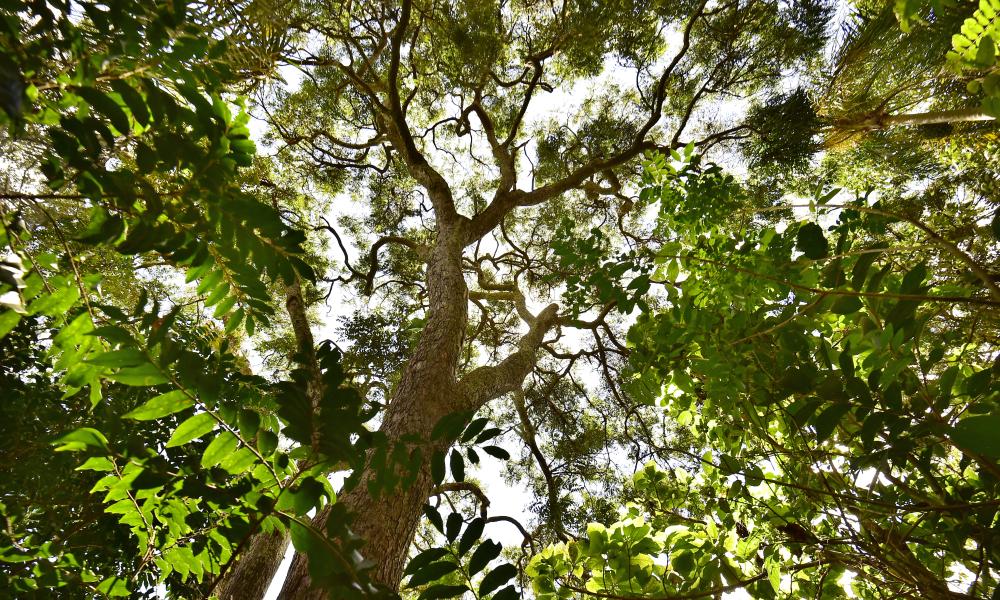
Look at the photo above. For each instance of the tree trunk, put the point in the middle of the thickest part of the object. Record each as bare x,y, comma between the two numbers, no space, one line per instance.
250,577
427,391
880,120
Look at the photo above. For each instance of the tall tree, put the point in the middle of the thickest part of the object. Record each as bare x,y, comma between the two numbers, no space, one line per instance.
434,107
548,255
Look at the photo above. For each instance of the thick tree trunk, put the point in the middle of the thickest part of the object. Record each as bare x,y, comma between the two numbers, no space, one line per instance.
876,121
251,576
427,391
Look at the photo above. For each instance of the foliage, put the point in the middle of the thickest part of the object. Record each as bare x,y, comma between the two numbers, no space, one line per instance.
187,461
839,412
785,383
974,48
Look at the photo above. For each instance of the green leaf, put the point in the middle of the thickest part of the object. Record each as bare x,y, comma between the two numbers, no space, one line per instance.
143,375
57,303
474,428
193,427
508,593
454,526
449,426
811,241
126,357
827,420
986,54
482,556
496,578
113,587
497,452
96,463
8,321
161,406
238,461
219,448
913,279
114,334
434,517
457,464
979,434
423,559
133,100
774,574
107,107
81,439
432,572
471,535
436,592
437,467
267,442
846,305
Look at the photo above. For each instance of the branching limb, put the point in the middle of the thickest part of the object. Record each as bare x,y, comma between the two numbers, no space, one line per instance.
486,383
465,486
528,435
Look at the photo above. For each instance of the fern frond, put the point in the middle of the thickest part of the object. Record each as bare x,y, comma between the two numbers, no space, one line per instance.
974,45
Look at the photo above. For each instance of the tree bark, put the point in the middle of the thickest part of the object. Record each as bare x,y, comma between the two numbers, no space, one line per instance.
251,575
426,392
876,121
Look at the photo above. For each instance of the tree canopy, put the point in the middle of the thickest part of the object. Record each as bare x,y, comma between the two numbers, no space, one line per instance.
716,282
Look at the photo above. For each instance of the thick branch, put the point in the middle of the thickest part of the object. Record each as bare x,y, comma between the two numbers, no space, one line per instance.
489,382
504,202
465,486
373,256
436,186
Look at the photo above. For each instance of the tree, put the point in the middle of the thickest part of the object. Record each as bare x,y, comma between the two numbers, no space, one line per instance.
747,369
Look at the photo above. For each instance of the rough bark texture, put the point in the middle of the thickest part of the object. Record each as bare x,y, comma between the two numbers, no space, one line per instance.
426,392
250,577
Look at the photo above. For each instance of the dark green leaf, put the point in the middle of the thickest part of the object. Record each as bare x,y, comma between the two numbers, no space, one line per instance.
846,305
474,428
454,526
471,535
107,107
436,592
497,452
423,559
496,578
507,593
979,434
827,420
913,279
432,572
437,467
811,241
482,556
457,464
434,517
